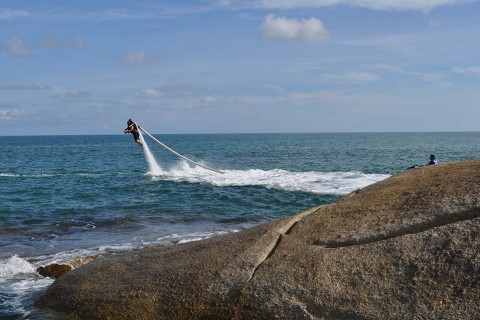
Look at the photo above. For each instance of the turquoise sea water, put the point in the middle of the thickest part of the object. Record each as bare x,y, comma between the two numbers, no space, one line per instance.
64,197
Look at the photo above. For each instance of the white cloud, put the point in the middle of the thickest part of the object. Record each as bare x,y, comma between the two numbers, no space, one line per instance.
16,48
149,93
420,75
396,5
136,58
8,14
292,29
468,70
365,77
10,114
214,101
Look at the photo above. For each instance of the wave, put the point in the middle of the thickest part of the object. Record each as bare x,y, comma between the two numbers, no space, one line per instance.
39,175
18,279
13,266
336,183
10,175
50,175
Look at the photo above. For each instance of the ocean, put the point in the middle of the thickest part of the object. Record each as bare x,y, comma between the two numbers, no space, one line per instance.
64,197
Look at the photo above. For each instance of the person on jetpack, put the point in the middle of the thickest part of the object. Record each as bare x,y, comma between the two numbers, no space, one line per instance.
133,129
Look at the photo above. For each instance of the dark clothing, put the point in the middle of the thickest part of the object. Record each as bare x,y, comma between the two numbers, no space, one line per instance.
133,130
136,135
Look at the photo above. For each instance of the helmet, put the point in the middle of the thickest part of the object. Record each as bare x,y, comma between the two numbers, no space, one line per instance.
129,122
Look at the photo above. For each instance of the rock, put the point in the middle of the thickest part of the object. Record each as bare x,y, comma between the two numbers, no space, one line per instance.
80,261
404,248
54,270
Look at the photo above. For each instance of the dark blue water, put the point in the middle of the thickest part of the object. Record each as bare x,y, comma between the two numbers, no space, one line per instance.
68,196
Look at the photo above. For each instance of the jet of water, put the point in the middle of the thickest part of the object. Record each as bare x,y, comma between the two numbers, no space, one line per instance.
153,167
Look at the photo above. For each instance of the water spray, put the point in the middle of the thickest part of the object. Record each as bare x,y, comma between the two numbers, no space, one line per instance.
176,153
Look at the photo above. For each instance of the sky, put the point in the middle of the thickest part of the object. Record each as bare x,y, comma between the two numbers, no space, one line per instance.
239,66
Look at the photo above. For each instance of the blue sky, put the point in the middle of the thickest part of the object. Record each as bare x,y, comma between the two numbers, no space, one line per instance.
222,66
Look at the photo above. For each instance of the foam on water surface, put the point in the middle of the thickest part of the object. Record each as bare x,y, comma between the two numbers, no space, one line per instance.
336,183
13,266
18,284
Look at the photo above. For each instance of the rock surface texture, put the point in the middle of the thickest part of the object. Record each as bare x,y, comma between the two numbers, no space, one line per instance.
407,247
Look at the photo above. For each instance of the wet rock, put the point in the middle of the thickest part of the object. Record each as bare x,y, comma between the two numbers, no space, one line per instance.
54,270
80,261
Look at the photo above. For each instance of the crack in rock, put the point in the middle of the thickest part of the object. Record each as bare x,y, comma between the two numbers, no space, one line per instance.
270,250
403,230
282,231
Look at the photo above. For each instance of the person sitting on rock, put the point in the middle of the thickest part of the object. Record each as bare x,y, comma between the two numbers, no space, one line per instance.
432,160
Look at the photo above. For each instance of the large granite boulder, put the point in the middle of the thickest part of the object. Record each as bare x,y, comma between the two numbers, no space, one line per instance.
404,248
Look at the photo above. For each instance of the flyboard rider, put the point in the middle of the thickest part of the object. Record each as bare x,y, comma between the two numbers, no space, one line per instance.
133,129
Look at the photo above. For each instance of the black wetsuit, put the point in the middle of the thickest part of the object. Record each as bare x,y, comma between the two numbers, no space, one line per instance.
133,130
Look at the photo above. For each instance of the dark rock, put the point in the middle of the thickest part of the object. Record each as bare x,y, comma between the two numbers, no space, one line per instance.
54,270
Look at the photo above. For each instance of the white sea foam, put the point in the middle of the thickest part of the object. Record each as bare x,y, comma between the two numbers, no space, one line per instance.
10,175
338,183
193,236
112,248
63,257
13,266
18,279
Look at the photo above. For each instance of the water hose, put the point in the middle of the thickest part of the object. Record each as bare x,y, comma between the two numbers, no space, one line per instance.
178,154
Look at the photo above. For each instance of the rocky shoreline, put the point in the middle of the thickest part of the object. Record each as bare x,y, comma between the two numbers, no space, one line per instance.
404,248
